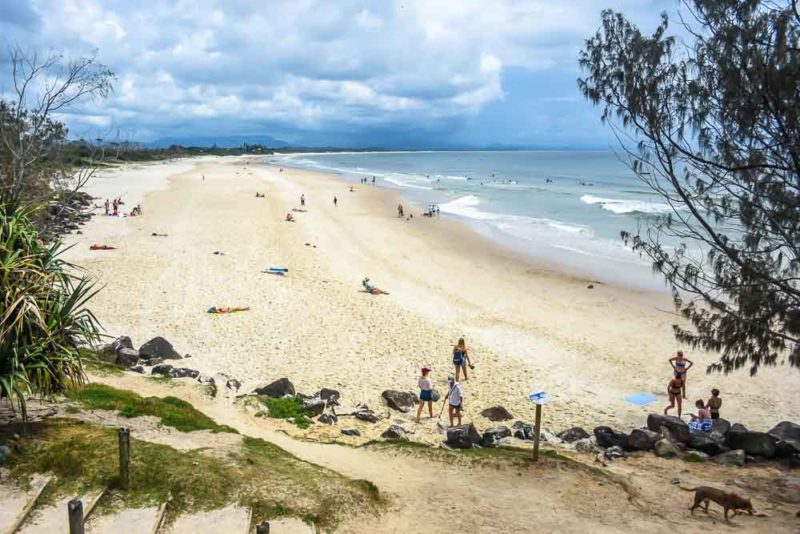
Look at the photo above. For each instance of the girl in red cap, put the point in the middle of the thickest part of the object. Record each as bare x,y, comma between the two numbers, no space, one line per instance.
425,392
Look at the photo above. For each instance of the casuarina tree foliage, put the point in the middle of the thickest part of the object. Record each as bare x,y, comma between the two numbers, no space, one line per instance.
711,121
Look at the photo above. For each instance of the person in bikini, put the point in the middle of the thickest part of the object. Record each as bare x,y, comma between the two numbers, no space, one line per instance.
714,403
461,359
674,390
681,366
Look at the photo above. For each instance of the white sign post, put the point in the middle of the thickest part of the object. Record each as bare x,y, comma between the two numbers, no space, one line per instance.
539,398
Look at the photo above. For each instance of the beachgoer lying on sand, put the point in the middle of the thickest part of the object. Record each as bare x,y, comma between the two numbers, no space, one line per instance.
289,217
371,289
674,392
425,392
219,253
101,247
222,309
461,358
154,234
714,403
454,400
681,365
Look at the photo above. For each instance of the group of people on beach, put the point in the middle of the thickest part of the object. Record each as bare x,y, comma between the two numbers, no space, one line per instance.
454,399
112,208
707,411
366,180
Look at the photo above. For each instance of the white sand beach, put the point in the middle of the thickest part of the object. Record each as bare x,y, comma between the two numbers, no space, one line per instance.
527,327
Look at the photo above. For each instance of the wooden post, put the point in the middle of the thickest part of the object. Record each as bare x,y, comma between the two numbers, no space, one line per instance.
263,528
536,432
124,458
75,511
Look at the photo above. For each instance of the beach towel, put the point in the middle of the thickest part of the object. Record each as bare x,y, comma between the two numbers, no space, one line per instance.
277,273
279,269
222,309
704,426
641,399
101,247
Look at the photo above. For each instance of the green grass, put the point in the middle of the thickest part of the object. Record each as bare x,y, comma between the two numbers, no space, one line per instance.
83,456
172,411
286,407
97,367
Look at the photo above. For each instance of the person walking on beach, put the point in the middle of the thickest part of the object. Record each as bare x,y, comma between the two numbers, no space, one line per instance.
674,389
400,210
335,202
116,207
461,358
454,400
425,392
107,208
302,200
714,403
681,366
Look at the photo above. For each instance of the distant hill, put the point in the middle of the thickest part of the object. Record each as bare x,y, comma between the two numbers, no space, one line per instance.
231,141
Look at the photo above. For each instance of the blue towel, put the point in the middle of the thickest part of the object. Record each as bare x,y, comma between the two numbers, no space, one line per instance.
641,399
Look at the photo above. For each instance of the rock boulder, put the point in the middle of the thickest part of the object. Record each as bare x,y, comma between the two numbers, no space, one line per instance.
608,437
401,401
642,439
493,435
395,432
159,348
523,430
282,387
127,357
327,419
754,443
788,436
183,372
162,369
735,457
664,448
573,434
677,427
497,413
463,436
710,443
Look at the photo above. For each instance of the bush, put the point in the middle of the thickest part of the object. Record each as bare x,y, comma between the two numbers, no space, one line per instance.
43,318
286,407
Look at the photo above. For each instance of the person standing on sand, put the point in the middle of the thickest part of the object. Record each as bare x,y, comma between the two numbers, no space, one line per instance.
681,366
454,400
107,208
461,358
714,403
335,202
400,210
425,392
674,392
302,200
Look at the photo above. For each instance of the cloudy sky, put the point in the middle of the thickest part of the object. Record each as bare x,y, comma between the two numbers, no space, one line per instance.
404,73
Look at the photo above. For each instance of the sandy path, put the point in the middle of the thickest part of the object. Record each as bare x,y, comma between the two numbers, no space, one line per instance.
528,328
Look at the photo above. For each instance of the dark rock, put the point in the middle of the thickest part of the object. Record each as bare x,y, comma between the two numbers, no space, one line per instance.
664,448
327,419
720,426
677,427
497,413
313,406
127,357
788,436
4,452
162,369
233,384
122,342
282,387
735,457
755,443
615,452
492,435
737,427
710,443
158,347
608,437
107,354
365,414
402,401
523,430
351,432
395,432
137,369
463,436
642,439
183,372
696,456
572,434
331,396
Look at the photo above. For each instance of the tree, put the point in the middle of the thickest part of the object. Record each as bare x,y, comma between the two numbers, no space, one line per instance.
711,123
29,136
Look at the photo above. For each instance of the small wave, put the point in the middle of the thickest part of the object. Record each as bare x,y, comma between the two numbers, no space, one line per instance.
621,207
401,183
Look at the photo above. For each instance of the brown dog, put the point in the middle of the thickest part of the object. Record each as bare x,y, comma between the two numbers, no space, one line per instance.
729,501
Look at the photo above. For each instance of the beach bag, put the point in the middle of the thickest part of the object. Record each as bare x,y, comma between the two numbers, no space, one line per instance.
435,396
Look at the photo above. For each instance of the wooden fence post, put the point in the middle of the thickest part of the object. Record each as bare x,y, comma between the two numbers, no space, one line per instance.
124,457
537,431
75,511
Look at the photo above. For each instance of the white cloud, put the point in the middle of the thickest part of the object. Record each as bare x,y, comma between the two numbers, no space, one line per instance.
237,64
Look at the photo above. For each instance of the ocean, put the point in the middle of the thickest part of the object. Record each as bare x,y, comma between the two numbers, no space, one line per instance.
566,208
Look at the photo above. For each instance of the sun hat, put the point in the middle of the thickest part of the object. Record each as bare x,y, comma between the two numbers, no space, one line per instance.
426,369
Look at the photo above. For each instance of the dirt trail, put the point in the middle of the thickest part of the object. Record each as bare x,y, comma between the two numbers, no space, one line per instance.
430,496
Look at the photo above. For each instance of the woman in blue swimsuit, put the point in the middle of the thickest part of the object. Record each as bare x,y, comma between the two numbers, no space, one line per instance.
681,367
461,359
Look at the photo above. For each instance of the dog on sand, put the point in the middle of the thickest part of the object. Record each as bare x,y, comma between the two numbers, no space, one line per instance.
703,495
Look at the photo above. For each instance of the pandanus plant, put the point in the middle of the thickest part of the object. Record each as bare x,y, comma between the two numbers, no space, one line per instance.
43,314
